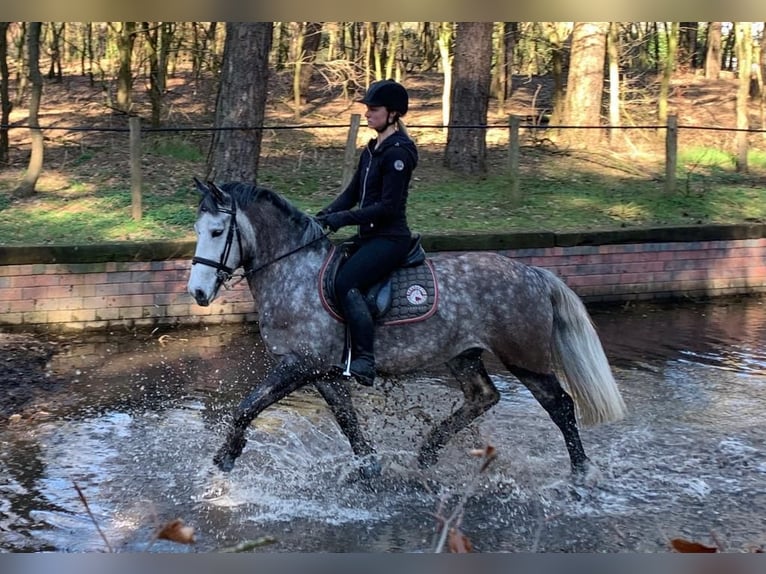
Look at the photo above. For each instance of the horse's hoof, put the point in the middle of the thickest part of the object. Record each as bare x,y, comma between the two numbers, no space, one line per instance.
427,458
586,474
370,470
224,460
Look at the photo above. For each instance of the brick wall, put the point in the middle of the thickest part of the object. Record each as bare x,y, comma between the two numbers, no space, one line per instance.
145,285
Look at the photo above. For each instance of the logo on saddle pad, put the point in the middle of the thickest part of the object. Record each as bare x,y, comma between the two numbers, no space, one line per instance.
417,295
408,295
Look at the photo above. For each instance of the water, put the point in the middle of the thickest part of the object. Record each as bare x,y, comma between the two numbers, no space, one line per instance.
136,427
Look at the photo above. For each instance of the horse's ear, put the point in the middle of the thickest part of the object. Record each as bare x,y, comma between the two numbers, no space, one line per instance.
218,194
201,187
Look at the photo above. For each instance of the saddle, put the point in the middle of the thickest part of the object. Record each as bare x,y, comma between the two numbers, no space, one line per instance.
409,294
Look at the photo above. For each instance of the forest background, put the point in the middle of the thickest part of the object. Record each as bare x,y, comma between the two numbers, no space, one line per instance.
274,102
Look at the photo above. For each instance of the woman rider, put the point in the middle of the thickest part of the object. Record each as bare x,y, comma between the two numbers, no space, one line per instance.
378,190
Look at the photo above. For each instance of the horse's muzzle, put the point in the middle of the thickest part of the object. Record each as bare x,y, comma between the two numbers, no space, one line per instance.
201,298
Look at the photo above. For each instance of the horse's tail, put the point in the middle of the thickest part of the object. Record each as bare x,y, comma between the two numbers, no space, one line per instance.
580,358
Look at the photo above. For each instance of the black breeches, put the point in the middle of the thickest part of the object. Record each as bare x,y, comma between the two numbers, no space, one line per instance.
374,260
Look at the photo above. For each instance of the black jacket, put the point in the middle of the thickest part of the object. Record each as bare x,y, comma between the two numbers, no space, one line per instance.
379,187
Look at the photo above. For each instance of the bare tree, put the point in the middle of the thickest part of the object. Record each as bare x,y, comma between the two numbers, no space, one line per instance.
35,167
235,154
466,150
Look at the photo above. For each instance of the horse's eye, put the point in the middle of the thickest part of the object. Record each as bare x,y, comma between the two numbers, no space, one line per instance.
217,232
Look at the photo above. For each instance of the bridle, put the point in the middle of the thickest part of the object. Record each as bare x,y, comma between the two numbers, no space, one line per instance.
224,273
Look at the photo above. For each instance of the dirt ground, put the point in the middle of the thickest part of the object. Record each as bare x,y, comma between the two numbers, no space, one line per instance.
25,375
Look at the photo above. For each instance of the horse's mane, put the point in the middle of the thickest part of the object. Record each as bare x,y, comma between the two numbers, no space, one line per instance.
246,194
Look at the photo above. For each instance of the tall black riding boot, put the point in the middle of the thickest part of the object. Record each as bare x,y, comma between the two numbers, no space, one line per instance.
362,331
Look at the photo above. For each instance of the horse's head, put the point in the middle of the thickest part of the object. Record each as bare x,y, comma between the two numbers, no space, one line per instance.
219,244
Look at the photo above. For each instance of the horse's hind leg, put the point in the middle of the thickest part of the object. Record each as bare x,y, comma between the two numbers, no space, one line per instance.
559,405
336,394
480,395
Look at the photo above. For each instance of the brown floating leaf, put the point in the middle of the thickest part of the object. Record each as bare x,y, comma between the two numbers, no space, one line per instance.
686,546
175,531
458,542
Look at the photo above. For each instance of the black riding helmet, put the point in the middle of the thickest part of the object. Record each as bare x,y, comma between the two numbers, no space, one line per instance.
389,94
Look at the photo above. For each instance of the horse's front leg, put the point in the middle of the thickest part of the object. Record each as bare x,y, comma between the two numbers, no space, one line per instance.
338,398
290,373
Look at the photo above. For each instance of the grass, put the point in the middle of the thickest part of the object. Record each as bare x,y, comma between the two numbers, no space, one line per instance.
83,202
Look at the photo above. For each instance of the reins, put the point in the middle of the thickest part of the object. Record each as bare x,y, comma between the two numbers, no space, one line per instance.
224,273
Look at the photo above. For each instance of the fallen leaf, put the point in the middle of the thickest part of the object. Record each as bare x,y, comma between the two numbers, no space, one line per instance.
458,542
175,531
686,546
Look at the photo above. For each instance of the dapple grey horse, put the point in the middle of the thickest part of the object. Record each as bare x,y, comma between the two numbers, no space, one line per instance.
526,316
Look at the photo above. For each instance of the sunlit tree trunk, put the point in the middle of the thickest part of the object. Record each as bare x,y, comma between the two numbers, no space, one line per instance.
445,51
392,49
22,77
466,150
744,48
613,49
713,54
585,81
235,154
29,183
763,79
668,67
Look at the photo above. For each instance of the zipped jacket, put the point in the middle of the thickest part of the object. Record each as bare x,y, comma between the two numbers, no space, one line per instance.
379,188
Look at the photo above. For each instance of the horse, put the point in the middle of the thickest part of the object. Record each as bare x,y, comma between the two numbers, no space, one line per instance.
526,316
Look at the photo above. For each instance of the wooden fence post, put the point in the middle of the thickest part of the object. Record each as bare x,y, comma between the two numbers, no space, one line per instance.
349,157
135,166
671,153
513,157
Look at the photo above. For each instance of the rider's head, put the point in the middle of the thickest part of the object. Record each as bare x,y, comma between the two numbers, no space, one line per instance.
390,95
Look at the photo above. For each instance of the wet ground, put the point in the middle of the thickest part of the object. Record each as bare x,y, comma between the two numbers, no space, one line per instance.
132,420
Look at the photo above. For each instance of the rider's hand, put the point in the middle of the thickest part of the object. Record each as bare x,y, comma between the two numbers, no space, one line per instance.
331,221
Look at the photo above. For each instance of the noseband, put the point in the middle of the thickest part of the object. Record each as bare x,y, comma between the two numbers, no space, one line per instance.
223,272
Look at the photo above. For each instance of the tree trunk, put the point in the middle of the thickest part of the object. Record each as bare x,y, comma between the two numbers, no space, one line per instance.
28,185
57,32
151,40
585,81
392,49
614,82
234,154
687,46
558,35
126,35
5,98
466,150
744,49
312,38
763,79
444,42
668,67
713,54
